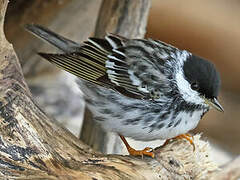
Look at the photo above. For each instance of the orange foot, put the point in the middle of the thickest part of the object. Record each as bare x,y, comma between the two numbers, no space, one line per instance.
145,152
186,136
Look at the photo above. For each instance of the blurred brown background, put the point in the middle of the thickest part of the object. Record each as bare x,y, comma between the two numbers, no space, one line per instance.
210,29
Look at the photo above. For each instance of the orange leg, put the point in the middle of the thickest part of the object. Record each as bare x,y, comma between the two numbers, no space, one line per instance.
147,151
186,136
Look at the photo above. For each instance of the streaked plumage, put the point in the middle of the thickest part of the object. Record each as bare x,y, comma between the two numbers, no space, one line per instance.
144,89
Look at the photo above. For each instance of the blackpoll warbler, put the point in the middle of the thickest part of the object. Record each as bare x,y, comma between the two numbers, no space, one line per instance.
143,89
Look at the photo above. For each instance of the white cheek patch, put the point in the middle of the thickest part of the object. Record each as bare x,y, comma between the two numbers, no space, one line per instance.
186,91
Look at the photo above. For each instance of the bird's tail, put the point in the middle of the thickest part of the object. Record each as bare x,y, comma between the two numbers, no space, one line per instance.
58,41
85,60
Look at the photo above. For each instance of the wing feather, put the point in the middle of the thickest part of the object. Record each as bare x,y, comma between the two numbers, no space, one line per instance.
144,67
128,66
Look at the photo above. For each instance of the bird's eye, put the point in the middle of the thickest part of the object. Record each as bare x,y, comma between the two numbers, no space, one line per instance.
194,86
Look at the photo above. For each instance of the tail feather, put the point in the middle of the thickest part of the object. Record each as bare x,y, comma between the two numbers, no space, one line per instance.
58,41
89,60
86,60
87,63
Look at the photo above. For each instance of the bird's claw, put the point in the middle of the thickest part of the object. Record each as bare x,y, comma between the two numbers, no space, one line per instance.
188,137
145,152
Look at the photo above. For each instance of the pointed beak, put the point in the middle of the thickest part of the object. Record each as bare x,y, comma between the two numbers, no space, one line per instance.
215,104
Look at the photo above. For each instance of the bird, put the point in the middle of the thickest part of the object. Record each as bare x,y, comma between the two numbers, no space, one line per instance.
144,89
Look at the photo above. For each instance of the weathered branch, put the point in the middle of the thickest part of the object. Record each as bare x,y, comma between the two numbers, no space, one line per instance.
34,147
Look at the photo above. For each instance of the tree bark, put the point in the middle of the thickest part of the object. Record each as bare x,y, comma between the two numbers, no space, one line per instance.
33,146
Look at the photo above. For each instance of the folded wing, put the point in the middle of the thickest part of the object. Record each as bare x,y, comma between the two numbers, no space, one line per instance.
130,67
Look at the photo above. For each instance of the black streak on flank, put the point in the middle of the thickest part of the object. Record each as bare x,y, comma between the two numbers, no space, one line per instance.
177,123
164,116
170,124
148,119
99,118
132,121
160,126
156,126
118,115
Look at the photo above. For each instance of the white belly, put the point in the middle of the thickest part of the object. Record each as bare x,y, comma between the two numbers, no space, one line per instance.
137,132
111,115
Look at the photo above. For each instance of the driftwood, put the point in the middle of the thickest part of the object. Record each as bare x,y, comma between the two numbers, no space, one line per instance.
32,146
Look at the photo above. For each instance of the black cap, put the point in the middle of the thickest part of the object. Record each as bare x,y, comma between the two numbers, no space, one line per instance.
202,73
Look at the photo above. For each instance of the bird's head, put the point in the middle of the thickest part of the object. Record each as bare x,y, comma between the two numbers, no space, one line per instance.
199,82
